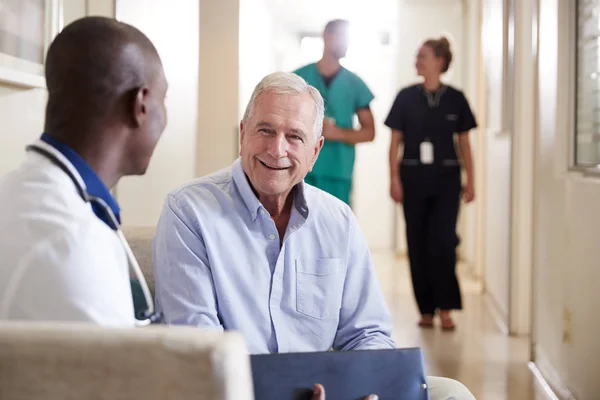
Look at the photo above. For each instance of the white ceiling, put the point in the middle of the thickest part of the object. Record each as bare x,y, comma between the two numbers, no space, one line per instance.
312,15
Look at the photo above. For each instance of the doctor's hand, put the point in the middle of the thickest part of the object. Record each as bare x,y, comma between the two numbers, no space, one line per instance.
396,191
330,130
319,394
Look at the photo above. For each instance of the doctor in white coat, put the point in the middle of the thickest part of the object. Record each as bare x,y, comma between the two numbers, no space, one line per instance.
61,258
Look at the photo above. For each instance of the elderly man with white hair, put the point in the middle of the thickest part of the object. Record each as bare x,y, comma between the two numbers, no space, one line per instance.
253,248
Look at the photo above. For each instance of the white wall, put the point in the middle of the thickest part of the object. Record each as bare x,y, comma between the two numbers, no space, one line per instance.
22,110
174,29
257,56
219,87
105,8
497,146
75,9
286,44
371,202
508,163
523,179
567,223
471,215
22,116
420,20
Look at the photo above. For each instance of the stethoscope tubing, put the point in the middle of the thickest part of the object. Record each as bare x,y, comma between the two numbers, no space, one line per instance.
149,315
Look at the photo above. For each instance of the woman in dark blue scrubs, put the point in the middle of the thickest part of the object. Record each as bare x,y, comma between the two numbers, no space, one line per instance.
426,179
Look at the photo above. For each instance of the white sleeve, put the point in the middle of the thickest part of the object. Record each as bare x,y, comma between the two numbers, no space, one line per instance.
78,275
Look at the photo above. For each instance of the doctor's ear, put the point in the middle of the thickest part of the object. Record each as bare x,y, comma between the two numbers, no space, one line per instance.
139,106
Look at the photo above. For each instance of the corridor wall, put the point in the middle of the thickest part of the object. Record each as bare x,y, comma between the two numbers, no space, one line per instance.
497,168
22,108
174,28
567,222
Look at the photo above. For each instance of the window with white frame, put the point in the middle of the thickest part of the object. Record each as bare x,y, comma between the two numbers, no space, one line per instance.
22,29
587,114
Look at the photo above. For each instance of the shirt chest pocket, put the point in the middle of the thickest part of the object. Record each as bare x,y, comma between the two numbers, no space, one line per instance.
319,287
450,122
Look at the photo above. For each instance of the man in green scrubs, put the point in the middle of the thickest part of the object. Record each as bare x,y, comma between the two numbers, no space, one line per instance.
345,95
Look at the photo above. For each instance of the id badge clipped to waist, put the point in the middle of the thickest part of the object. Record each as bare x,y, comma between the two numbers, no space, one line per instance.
426,152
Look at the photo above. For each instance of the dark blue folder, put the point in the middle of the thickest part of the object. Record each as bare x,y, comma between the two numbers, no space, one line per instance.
347,375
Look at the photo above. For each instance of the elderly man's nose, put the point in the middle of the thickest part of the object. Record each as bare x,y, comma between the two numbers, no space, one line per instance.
278,145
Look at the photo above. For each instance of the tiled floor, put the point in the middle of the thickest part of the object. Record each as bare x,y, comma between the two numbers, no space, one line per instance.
492,365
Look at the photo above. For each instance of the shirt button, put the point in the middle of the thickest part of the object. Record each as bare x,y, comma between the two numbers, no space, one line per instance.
263,212
272,237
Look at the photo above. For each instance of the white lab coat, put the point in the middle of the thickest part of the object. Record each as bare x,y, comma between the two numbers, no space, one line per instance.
58,261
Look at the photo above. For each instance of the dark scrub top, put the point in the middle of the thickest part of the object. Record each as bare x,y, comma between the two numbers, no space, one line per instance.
435,116
344,94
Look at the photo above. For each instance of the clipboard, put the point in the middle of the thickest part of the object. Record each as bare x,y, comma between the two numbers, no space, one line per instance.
397,374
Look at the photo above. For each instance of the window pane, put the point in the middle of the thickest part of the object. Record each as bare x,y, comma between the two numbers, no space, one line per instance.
587,143
22,29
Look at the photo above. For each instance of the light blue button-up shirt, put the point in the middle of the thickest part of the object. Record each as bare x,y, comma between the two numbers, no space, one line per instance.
218,263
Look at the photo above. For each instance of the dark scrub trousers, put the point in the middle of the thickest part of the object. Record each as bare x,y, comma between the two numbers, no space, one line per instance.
432,190
344,94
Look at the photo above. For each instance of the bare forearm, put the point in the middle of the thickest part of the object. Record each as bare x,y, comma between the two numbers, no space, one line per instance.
465,150
396,152
469,167
394,163
352,136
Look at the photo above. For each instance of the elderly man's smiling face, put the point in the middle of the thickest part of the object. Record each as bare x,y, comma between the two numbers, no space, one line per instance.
278,142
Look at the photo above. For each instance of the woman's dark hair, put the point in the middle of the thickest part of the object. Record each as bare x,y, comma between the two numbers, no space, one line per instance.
441,48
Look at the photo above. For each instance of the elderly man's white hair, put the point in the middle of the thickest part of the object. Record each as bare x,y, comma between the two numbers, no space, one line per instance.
288,83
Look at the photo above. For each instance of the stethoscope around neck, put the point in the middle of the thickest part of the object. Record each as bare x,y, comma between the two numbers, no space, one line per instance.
149,315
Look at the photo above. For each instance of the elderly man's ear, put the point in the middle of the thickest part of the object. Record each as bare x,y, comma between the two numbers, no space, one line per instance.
241,135
318,148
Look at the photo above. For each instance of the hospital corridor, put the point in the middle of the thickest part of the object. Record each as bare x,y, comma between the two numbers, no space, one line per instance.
492,364
193,190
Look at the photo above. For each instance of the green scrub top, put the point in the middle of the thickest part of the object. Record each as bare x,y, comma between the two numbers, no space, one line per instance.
345,95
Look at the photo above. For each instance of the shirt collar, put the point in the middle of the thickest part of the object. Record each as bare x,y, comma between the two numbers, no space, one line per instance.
251,201
94,186
433,99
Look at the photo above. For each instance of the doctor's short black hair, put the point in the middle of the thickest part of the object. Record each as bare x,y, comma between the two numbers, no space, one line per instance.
91,65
